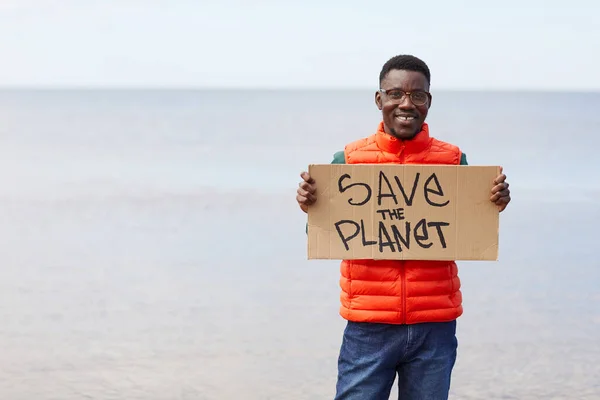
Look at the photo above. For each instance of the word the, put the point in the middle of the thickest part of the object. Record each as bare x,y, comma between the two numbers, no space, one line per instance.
397,213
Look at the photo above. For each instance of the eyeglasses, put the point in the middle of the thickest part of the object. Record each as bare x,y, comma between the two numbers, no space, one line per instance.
417,97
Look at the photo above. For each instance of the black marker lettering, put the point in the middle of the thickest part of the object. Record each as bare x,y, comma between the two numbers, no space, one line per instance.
388,242
364,239
438,227
410,199
437,191
382,212
398,236
390,194
398,213
422,224
343,189
345,240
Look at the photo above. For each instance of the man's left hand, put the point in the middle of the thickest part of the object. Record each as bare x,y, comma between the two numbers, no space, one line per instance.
500,192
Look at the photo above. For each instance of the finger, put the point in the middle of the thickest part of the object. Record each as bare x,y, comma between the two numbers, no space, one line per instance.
500,178
504,199
499,187
307,195
500,197
503,193
303,201
307,178
308,187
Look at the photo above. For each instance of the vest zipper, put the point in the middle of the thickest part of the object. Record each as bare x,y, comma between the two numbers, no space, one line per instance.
402,158
403,277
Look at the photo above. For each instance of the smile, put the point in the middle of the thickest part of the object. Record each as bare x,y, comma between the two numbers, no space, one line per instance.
401,118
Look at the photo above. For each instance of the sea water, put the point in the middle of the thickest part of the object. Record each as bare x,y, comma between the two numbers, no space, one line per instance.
151,245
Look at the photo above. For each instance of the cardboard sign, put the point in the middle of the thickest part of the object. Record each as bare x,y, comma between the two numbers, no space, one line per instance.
403,212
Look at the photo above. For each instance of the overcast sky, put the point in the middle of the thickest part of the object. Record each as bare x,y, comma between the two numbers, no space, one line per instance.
526,44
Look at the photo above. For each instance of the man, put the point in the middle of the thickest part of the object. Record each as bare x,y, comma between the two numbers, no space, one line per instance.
401,315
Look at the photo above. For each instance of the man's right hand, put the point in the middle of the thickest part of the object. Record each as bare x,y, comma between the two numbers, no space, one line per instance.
306,193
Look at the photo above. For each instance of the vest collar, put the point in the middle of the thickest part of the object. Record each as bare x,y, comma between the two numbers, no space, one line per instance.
389,143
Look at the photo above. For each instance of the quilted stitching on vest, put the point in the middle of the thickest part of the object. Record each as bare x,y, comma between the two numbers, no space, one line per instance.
398,292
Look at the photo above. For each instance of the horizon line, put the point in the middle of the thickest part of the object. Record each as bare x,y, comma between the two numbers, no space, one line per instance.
273,88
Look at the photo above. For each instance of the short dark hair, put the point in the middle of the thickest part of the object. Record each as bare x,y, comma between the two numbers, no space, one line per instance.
405,62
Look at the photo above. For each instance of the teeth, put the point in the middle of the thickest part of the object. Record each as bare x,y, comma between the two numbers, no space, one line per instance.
406,118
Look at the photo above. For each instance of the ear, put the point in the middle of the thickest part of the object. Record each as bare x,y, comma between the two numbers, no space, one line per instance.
378,100
430,101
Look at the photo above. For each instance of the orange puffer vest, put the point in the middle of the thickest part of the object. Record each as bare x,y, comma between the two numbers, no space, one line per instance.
400,292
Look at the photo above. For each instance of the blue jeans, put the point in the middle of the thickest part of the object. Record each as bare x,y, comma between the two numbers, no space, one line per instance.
422,355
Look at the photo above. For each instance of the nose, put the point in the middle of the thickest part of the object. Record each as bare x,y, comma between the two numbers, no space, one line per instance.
406,103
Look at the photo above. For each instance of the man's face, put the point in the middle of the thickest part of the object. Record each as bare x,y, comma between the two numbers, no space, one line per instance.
401,117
